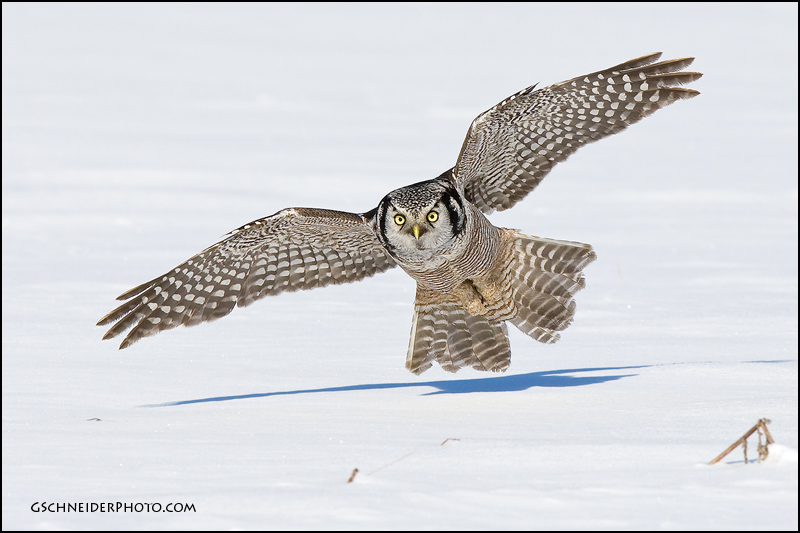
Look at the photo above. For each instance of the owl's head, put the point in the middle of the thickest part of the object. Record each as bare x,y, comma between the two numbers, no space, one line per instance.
424,217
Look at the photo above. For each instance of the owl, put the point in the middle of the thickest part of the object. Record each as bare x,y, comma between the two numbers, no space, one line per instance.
471,276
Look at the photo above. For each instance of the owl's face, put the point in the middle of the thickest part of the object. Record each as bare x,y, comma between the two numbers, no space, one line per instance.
420,219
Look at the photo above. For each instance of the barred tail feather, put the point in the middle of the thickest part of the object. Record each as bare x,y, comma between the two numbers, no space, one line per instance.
545,276
539,279
447,334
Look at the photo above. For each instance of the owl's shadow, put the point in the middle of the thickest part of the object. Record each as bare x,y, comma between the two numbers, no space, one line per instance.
502,383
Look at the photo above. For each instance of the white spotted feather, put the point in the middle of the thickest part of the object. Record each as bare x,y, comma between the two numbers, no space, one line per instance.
472,277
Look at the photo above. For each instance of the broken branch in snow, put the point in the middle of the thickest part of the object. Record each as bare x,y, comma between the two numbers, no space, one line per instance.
760,426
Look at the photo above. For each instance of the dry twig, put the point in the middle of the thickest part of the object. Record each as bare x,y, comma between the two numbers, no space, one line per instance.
761,425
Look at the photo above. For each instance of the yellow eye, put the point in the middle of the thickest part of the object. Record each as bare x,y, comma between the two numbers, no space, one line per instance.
399,220
433,216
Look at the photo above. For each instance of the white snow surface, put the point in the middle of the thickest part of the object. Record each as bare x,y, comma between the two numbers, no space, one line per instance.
136,135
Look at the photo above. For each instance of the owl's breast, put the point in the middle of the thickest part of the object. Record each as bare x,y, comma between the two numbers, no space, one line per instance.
473,253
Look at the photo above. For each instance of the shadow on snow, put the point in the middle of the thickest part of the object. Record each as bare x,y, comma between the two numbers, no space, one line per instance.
548,378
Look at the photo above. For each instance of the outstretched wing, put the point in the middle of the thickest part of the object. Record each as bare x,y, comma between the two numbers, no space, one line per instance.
511,147
294,249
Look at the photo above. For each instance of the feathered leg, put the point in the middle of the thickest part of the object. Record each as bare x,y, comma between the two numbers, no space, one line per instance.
532,285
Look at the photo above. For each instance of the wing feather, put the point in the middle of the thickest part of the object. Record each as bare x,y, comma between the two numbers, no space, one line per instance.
511,147
294,249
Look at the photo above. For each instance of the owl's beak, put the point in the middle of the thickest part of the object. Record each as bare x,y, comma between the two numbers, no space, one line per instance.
416,231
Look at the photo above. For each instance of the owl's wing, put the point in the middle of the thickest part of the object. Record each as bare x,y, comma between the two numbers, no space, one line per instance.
511,147
294,249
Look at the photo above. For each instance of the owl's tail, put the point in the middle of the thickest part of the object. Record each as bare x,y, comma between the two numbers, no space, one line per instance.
545,275
448,334
539,279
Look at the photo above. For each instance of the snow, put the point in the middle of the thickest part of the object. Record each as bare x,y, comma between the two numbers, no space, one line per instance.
136,135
